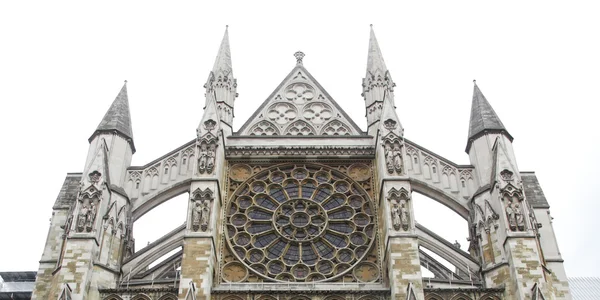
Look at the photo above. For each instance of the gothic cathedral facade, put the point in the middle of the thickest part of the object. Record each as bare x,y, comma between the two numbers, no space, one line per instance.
300,204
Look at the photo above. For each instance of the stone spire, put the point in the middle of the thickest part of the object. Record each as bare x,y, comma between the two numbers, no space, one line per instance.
221,85
377,85
222,64
117,118
483,118
375,61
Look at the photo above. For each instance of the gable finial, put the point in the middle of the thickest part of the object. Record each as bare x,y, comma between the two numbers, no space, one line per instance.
474,82
299,56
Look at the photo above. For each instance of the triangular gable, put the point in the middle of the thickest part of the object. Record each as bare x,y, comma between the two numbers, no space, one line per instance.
299,106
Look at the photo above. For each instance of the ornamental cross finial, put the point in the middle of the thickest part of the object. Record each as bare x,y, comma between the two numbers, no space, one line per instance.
299,56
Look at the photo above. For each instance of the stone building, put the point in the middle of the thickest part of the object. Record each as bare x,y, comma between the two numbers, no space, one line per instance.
301,203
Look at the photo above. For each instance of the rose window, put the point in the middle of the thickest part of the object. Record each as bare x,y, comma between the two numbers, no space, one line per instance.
282,113
318,113
300,223
299,93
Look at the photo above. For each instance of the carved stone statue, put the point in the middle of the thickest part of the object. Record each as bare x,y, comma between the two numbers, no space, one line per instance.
520,220
196,215
389,158
204,215
200,215
396,216
210,160
82,217
510,213
404,215
397,156
202,158
91,216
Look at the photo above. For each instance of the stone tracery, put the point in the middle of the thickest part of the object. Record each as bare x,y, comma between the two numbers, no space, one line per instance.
301,223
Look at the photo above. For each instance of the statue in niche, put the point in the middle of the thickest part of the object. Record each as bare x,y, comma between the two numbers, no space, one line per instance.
404,215
397,158
196,214
396,216
520,220
210,160
204,215
82,217
202,158
510,213
200,215
91,216
389,158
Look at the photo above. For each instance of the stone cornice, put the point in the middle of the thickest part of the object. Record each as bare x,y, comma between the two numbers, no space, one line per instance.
295,151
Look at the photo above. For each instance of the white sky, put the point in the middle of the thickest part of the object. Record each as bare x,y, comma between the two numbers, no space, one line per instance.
63,63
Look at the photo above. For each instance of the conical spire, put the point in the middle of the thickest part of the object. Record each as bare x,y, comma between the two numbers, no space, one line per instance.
118,117
375,59
483,117
223,61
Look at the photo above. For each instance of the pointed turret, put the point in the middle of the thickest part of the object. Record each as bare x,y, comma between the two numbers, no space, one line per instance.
117,118
377,85
221,85
483,118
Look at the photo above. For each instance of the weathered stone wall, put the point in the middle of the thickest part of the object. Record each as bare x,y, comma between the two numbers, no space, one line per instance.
196,267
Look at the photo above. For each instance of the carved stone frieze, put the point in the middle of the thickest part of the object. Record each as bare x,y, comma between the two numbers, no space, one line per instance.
239,151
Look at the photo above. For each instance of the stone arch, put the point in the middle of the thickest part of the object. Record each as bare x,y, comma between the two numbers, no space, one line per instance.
168,297
336,127
264,128
112,297
300,127
433,296
489,296
232,298
442,197
461,296
140,208
141,297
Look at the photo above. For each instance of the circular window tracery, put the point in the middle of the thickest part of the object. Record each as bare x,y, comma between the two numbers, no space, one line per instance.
300,223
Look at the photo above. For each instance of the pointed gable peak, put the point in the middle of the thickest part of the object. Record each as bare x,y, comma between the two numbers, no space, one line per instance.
375,59
389,118
210,122
299,106
223,62
117,117
483,117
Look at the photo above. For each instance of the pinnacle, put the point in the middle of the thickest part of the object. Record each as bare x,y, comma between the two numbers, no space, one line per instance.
117,117
375,59
483,117
223,61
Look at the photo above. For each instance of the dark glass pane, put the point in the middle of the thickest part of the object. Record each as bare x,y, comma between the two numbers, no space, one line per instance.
265,202
256,214
292,189
324,250
292,255
333,202
341,214
308,188
264,240
255,228
308,255
322,193
344,228
275,250
336,240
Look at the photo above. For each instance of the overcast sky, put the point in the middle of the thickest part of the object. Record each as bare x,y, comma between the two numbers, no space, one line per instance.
63,63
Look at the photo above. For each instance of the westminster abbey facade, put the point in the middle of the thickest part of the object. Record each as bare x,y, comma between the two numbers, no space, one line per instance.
300,203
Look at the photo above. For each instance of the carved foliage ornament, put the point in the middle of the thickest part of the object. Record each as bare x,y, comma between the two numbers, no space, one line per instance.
201,206
399,208
506,175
